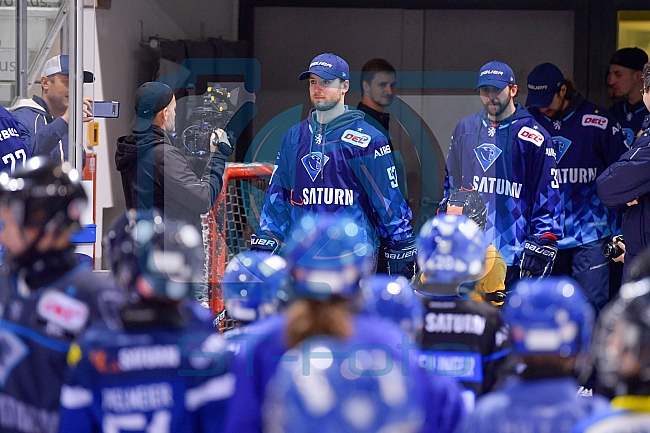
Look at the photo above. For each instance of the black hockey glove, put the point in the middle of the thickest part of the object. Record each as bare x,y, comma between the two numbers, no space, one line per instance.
263,243
401,257
537,258
219,142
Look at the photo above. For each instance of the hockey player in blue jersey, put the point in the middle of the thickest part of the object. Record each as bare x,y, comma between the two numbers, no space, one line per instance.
163,370
625,78
586,141
328,256
622,353
13,152
335,162
550,324
335,387
503,153
462,338
48,298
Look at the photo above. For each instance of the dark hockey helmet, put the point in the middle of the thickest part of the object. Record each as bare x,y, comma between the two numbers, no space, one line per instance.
44,194
168,254
465,202
328,255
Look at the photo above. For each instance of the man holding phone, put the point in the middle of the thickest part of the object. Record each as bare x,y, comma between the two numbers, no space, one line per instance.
43,121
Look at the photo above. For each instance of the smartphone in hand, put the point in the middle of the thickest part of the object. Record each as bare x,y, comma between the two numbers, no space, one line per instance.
108,109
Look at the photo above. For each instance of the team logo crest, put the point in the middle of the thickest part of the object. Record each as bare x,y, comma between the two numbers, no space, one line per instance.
561,145
12,351
557,124
486,154
314,163
628,116
492,131
318,138
629,136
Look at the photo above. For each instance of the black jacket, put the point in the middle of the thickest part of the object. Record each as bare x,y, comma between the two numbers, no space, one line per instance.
623,182
156,174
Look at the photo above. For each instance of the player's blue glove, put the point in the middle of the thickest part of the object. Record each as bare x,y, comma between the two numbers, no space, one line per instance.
219,142
537,258
401,257
263,243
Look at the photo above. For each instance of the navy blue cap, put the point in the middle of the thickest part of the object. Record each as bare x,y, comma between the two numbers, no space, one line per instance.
631,58
150,98
327,66
543,83
61,65
495,74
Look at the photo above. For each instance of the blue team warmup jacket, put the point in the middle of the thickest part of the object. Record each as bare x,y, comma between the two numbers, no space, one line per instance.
345,168
586,140
631,118
513,166
13,152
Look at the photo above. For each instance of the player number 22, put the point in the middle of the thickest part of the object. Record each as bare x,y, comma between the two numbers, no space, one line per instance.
392,176
12,157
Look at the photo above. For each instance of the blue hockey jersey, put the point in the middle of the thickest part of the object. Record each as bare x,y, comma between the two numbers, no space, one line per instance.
512,165
167,379
345,168
532,406
36,330
627,414
586,140
264,344
630,117
13,152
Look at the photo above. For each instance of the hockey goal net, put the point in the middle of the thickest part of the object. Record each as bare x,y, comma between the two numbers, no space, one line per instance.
228,227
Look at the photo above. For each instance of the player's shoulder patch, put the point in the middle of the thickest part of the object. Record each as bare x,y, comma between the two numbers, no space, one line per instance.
356,137
65,311
595,120
533,135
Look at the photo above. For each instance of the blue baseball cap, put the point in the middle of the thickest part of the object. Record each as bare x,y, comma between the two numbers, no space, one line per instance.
543,83
495,74
61,65
327,66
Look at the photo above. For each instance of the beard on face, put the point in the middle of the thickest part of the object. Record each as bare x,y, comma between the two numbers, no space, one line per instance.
325,105
497,107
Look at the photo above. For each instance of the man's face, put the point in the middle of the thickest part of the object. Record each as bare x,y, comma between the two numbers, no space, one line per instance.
622,80
170,121
495,100
326,94
57,92
381,89
555,108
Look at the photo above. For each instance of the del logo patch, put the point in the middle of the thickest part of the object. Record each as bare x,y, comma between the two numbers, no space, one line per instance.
561,145
314,163
63,310
486,154
529,134
356,138
594,120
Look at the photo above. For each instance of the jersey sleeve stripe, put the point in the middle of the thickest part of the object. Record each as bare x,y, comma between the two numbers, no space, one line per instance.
218,388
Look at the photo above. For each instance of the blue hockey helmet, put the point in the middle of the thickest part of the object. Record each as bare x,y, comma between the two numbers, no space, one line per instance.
328,256
393,298
549,316
341,388
167,254
461,201
255,285
451,251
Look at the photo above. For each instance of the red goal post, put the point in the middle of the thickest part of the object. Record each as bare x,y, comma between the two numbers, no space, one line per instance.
228,227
